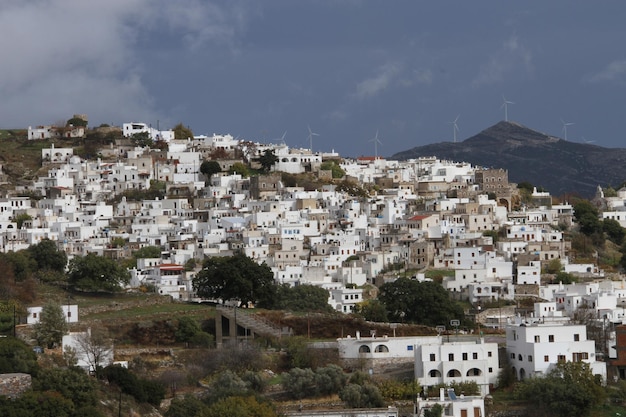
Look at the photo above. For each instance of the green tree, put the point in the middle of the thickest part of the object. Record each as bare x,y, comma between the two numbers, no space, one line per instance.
554,266
22,264
371,310
586,215
425,303
236,278
302,298
190,406
16,356
300,383
570,389
187,329
51,327
141,139
334,167
209,168
182,132
330,379
226,384
366,395
45,403
21,218
564,278
96,273
147,252
435,411
48,256
614,231
268,159
143,390
72,383
76,121
240,168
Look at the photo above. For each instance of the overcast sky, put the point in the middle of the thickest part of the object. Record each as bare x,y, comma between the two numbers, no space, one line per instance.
257,69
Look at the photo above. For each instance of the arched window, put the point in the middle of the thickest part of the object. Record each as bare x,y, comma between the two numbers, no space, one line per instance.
381,349
454,373
434,373
474,372
364,349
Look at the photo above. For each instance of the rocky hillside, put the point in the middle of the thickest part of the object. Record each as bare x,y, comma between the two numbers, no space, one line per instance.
559,166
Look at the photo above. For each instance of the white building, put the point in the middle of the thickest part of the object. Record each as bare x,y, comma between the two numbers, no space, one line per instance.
89,353
129,129
536,348
70,312
458,360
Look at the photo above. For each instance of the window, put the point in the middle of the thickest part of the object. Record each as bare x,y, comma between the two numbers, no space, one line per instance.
475,355
530,358
432,357
546,358
512,355
490,370
576,337
409,347
451,357
579,356
464,356
519,357
537,339
561,359
551,338
489,354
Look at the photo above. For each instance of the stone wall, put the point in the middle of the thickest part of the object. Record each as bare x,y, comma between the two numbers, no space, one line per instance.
14,385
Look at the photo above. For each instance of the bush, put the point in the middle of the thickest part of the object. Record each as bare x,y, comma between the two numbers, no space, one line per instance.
142,390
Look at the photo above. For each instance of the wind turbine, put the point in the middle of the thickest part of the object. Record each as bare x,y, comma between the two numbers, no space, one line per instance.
455,127
310,137
505,104
376,142
282,138
565,124
588,141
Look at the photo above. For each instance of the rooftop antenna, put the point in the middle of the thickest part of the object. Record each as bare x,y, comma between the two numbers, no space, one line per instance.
455,127
311,134
505,104
376,142
565,124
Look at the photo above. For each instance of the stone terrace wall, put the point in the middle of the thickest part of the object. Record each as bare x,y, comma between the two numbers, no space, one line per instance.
14,385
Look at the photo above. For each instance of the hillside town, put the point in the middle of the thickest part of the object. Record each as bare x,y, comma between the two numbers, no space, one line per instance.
371,221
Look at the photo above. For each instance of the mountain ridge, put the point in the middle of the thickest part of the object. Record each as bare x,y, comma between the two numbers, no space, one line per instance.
559,166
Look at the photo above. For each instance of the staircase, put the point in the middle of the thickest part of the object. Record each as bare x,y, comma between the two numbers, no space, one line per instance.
252,322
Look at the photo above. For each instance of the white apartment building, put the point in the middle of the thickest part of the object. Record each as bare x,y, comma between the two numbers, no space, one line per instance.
345,299
535,348
459,360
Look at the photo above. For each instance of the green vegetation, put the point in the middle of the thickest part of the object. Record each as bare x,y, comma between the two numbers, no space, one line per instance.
236,278
182,132
568,390
17,356
95,273
209,168
334,167
142,390
267,160
307,298
51,327
427,303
